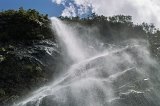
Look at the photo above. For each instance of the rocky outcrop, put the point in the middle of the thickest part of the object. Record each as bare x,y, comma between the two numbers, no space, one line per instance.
28,53
26,66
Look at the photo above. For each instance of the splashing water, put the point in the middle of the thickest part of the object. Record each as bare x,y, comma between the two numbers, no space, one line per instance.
123,76
67,36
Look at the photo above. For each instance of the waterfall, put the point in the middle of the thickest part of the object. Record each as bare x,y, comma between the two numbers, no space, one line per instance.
67,36
119,76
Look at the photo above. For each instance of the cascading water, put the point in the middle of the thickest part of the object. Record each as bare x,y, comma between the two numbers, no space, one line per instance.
118,76
67,36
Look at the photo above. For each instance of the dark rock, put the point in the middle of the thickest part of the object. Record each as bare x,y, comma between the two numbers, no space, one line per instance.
25,67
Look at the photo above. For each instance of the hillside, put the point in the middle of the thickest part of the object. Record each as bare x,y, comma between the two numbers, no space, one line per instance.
30,53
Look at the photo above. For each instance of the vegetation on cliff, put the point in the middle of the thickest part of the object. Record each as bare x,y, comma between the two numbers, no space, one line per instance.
24,25
25,61
119,27
24,66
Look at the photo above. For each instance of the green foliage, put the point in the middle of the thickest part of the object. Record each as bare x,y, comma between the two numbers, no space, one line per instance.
2,58
115,28
24,25
2,92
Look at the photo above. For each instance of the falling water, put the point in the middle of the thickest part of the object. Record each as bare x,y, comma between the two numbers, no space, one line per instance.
118,76
67,36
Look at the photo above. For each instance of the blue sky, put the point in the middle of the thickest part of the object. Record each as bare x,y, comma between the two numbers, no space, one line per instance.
43,6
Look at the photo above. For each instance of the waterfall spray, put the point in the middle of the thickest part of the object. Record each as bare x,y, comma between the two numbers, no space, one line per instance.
118,77
67,35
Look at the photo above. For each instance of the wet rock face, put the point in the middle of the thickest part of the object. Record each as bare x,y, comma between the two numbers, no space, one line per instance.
84,86
136,98
24,67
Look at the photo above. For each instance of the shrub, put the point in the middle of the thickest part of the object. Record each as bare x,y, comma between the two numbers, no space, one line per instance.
24,25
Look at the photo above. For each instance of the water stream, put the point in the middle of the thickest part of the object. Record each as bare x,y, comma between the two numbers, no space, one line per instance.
115,76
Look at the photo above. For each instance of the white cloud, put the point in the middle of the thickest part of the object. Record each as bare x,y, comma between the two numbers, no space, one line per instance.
83,6
59,1
69,11
141,10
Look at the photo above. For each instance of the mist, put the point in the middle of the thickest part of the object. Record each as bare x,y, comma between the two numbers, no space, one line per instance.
100,74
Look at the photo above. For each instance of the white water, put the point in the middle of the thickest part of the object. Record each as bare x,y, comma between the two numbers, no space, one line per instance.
117,77
67,36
